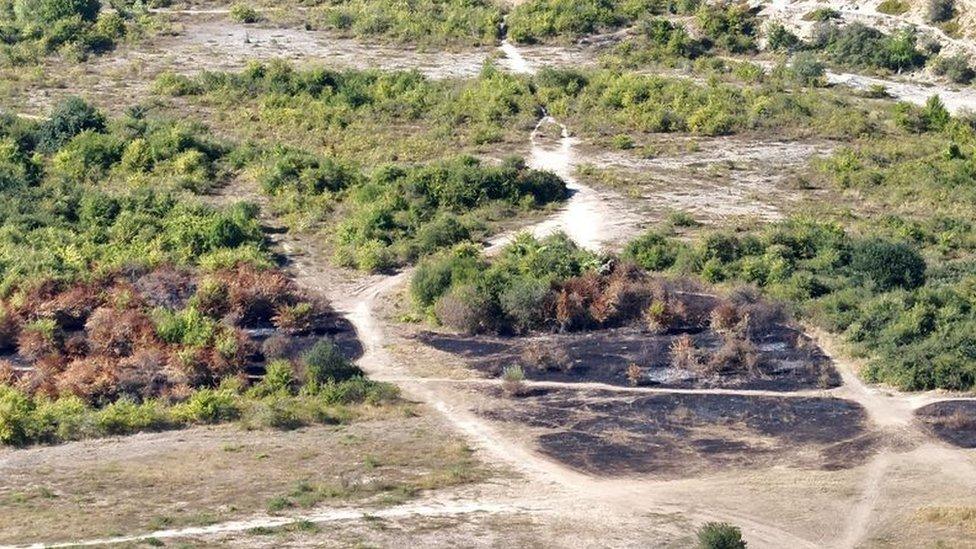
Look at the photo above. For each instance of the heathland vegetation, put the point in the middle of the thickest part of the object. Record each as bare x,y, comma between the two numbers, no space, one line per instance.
552,285
898,285
125,303
384,210
73,29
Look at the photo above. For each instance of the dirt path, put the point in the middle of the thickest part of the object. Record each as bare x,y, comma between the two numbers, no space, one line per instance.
594,220
431,508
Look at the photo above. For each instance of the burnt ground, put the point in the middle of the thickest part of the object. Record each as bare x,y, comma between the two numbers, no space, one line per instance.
327,326
604,356
952,421
681,435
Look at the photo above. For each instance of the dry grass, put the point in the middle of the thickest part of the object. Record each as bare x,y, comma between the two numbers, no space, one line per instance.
956,517
204,475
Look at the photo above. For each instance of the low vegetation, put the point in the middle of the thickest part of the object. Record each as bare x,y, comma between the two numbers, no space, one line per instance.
386,216
607,102
367,117
551,285
84,195
540,20
426,23
720,535
73,29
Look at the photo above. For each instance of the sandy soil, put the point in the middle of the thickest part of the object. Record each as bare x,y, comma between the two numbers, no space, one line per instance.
884,498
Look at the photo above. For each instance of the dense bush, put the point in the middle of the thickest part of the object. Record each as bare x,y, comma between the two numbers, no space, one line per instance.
32,28
540,20
860,46
427,22
720,535
401,213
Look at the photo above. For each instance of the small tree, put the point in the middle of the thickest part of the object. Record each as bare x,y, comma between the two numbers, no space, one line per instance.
720,535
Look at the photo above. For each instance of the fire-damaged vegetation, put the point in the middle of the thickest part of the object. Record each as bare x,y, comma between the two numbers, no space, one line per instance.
681,435
628,327
127,305
149,349
953,421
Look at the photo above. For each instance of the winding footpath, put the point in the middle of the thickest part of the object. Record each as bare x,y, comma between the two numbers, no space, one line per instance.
588,219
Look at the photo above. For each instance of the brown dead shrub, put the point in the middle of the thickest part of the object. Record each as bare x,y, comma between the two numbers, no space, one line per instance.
255,294
93,379
277,346
142,375
118,333
76,346
7,374
735,355
546,358
70,308
685,354
166,286
234,349
34,344
635,374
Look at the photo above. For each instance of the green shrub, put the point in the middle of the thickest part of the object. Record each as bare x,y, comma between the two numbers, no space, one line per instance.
279,378
653,251
187,327
63,419
956,68
209,406
858,45
243,13
730,26
778,38
325,363
522,301
806,69
45,12
68,119
894,7
125,416
888,265
15,416
720,535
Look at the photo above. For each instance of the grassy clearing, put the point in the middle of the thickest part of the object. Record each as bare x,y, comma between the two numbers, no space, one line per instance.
206,475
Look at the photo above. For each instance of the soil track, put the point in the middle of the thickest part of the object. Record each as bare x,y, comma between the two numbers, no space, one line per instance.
594,221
